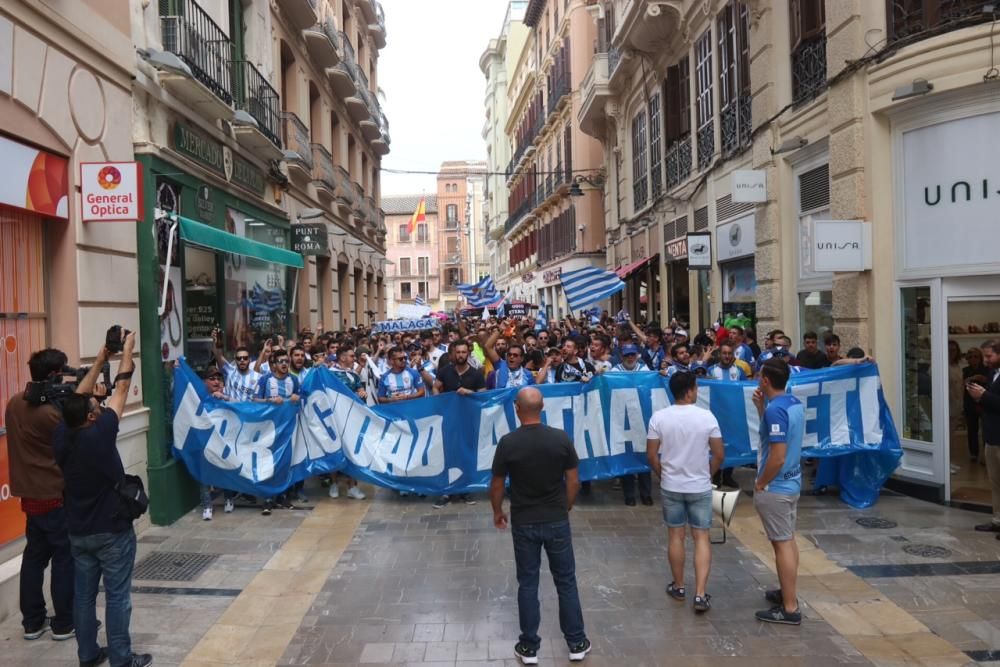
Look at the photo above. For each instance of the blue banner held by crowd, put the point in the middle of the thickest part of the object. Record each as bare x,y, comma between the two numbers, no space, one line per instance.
445,443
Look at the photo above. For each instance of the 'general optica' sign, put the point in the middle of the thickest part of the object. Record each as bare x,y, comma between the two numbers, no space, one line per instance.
111,191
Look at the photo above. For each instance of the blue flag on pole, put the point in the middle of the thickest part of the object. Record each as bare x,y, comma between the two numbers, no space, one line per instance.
589,285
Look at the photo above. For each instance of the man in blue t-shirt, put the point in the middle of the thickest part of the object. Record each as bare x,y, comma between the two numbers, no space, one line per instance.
779,480
726,369
277,386
399,383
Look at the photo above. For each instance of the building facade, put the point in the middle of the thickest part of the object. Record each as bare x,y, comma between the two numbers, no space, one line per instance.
414,259
260,133
859,129
65,99
497,64
548,231
458,182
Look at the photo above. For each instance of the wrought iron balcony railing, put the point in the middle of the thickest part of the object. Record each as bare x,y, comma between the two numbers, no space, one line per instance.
809,69
914,20
297,138
258,98
323,171
706,144
679,161
735,127
190,33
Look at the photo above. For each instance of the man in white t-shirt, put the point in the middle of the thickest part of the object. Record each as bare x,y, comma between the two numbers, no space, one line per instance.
684,449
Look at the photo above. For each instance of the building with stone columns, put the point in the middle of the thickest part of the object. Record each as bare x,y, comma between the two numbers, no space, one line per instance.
866,130
65,99
497,65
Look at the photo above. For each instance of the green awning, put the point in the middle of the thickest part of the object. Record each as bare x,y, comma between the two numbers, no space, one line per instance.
217,239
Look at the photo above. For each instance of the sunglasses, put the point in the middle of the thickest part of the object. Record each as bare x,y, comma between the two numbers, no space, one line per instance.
282,361
243,358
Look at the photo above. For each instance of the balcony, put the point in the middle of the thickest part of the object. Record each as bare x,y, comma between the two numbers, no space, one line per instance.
558,90
595,92
298,150
259,99
678,161
321,41
809,69
360,105
647,26
324,175
342,80
377,27
300,13
344,193
369,8
910,22
371,215
735,127
194,37
358,201
380,144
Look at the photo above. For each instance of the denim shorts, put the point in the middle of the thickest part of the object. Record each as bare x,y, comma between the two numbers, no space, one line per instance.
687,509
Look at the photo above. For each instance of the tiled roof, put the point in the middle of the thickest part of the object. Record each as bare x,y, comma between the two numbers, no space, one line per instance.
407,204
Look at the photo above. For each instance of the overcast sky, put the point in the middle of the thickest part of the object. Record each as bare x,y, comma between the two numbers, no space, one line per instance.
434,90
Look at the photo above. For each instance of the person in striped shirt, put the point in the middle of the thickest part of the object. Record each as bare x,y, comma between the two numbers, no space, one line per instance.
631,363
726,369
400,383
276,387
344,371
240,380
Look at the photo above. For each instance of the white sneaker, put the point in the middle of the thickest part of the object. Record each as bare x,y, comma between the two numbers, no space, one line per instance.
334,490
230,506
356,493
206,514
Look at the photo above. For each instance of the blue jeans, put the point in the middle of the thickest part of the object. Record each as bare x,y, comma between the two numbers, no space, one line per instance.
558,542
111,556
206,495
47,541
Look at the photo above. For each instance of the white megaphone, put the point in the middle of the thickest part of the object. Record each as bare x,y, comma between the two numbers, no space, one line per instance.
724,505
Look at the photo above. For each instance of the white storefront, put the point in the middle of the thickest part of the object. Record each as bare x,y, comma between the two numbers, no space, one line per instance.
947,276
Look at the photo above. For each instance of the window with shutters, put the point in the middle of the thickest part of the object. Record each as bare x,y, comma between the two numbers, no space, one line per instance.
423,265
913,20
568,160
451,215
639,168
677,122
422,233
655,147
405,291
815,289
734,78
404,233
807,19
703,101
404,266
452,245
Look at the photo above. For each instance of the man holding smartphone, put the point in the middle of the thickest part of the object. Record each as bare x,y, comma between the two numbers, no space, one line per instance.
988,398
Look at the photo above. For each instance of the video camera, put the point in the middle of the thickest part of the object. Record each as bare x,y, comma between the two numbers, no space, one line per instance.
59,387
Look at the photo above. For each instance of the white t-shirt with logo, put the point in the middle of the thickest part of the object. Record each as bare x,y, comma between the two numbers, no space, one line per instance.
683,432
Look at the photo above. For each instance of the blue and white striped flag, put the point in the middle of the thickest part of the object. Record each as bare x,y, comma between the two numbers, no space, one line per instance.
501,309
420,301
480,295
594,314
589,285
542,318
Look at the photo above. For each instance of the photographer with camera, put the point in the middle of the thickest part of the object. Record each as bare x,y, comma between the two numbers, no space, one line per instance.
100,522
31,418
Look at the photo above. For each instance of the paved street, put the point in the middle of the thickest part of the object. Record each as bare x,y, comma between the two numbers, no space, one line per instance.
392,581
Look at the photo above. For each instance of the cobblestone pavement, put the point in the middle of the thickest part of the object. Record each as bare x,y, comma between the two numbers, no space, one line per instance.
393,581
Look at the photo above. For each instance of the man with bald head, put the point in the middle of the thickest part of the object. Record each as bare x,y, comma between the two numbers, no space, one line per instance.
541,464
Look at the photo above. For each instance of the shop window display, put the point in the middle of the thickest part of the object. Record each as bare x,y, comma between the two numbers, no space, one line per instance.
917,391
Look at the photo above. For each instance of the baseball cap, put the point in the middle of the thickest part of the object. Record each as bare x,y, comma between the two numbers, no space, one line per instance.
628,349
210,373
680,332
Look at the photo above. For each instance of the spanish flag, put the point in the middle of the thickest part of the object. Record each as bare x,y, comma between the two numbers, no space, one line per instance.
418,216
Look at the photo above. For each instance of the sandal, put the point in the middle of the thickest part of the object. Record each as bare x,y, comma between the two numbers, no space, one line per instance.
702,603
675,592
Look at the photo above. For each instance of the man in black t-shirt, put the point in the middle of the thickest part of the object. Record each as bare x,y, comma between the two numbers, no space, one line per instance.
542,466
810,355
101,537
461,378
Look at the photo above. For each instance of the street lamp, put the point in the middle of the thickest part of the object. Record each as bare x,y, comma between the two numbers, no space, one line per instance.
597,180
310,214
165,61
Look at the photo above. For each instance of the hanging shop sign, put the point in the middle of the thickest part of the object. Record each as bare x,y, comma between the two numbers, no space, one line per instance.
34,180
310,239
205,203
218,158
749,186
699,254
110,191
842,245
551,276
677,250
528,277
736,239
